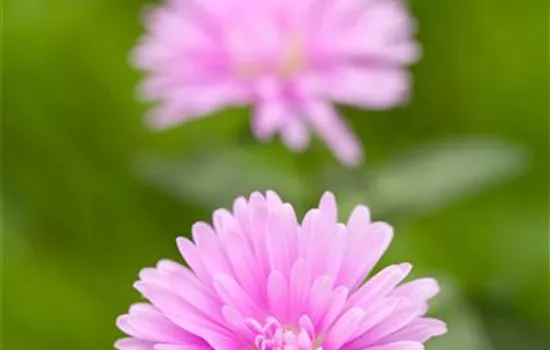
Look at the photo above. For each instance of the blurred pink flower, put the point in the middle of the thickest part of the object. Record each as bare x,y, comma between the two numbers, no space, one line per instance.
260,280
290,59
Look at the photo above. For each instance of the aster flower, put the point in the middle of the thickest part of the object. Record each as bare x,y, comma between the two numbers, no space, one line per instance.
260,280
290,59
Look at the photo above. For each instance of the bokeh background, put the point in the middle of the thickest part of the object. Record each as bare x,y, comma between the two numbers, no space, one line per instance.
89,195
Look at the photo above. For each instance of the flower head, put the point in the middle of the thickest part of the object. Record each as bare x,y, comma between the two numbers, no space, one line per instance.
260,280
290,59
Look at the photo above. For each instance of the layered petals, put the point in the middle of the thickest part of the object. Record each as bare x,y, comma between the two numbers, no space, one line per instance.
205,56
259,279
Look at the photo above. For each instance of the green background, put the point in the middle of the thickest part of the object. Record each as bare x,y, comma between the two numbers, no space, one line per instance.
90,195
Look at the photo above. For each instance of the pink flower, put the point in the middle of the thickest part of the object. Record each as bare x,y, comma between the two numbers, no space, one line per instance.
260,280
290,59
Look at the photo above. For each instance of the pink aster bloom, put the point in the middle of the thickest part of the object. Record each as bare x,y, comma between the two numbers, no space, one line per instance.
290,59
260,280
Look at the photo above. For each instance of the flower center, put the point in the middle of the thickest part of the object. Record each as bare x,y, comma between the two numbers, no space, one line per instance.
293,59
290,59
274,336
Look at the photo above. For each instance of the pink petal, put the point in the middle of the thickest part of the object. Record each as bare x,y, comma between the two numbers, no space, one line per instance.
324,120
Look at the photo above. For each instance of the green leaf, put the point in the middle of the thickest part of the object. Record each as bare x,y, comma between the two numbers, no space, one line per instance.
215,178
437,174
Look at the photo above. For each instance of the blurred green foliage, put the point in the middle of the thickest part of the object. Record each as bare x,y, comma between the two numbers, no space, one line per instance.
90,196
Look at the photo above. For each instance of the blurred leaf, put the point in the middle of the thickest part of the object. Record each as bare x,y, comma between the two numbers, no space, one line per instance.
216,178
435,175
